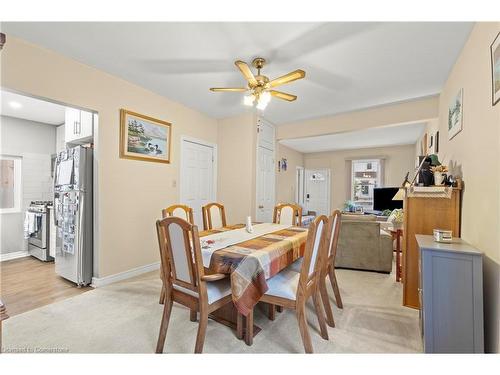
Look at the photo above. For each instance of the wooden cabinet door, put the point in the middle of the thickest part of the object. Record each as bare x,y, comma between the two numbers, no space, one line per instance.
422,216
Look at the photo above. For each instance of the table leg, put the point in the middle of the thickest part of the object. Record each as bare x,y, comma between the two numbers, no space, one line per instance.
249,329
398,257
228,315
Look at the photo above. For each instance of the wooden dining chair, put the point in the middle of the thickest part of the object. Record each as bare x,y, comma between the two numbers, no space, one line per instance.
290,289
184,277
329,267
214,216
287,213
3,316
179,210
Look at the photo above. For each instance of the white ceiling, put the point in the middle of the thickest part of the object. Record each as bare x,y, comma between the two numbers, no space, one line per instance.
349,65
31,108
373,137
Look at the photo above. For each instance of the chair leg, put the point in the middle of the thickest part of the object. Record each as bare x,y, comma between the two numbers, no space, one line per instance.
239,326
249,329
272,312
193,315
335,286
167,309
279,309
326,302
304,331
321,318
162,295
202,330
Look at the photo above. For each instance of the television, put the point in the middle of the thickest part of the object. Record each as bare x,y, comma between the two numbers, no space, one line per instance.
382,199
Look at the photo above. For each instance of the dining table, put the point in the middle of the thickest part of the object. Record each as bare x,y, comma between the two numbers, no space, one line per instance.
250,259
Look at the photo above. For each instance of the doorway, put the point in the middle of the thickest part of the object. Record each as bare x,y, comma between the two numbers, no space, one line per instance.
198,175
35,133
317,190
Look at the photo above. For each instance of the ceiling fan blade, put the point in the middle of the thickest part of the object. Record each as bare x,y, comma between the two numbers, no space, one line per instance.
229,89
247,73
283,95
292,76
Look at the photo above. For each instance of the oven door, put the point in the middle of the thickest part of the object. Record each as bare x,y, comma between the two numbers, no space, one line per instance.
39,238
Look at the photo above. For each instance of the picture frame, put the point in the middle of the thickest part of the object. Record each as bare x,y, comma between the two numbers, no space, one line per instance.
455,114
495,70
436,142
144,138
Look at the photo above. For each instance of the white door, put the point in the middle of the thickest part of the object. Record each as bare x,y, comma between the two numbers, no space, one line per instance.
265,185
317,191
197,177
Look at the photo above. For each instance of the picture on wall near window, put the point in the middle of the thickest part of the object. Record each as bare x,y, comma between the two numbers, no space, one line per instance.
455,115
144,138
495,69
436,142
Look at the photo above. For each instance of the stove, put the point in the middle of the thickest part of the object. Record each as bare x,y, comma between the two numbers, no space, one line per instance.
39,242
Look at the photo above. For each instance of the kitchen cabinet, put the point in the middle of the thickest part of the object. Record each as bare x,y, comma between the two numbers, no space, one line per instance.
60,139
79,126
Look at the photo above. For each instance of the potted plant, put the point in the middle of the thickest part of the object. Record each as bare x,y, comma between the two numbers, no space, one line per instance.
349,206
439,174
396,218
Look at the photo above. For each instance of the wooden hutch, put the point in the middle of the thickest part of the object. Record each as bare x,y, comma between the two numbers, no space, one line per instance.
424,212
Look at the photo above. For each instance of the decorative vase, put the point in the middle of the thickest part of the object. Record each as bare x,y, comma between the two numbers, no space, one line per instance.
438,178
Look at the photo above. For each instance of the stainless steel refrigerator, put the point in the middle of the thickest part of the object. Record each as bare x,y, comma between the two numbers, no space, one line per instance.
73,214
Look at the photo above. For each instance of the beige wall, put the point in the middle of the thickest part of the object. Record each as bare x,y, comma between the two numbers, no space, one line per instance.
398,161
131,192
418,110
475,154
237,162
285,180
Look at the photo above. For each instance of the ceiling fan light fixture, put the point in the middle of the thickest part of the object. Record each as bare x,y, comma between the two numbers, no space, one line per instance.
264,100
248,100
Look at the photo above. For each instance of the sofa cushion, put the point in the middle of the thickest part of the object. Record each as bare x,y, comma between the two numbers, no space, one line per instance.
351,217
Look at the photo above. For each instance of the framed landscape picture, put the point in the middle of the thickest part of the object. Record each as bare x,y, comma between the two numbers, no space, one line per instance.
144,138
455,115
495,69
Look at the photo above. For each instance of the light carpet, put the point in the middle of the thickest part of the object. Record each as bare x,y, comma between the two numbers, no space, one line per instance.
125,318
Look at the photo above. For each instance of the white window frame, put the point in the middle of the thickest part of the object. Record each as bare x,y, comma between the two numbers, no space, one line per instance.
18,186
379,181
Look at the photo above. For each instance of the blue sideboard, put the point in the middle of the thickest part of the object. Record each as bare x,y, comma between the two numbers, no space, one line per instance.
451,296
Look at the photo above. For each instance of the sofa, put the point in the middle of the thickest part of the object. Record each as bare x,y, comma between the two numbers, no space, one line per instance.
363,244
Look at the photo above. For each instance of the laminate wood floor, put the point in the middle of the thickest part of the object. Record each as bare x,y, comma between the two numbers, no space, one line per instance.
27,283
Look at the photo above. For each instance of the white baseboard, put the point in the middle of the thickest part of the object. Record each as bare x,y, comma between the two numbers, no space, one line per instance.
13,255
101,281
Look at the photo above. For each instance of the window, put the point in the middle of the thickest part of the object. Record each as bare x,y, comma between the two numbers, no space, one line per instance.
366,175
10,184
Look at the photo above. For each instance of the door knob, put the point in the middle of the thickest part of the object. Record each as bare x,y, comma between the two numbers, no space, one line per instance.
261,206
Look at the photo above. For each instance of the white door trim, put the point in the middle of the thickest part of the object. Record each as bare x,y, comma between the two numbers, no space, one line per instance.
300,200
185,138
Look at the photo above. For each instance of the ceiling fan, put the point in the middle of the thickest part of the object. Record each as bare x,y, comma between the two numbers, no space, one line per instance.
260,85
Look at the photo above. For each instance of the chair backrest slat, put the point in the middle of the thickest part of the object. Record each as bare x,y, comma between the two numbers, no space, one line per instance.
179,243
214,216
287,213
334,222
179,210
315,253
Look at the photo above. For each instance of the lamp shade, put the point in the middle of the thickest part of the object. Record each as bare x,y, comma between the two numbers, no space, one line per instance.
400,195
